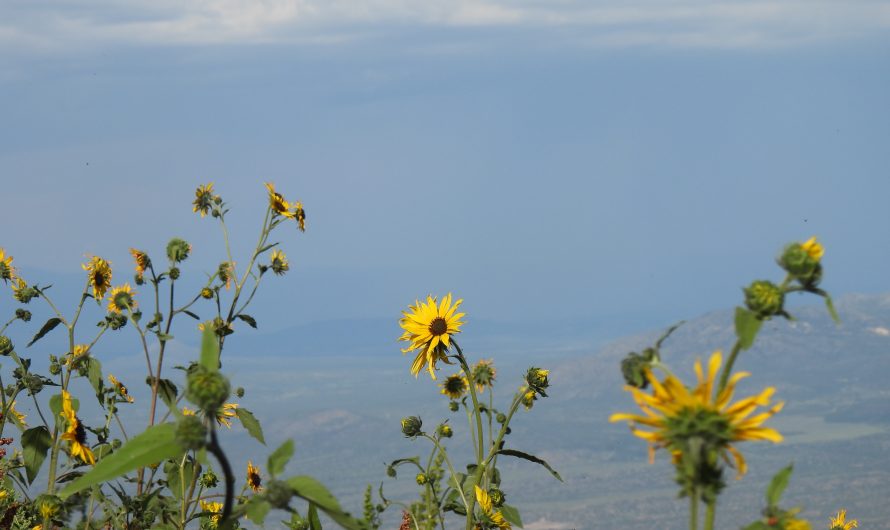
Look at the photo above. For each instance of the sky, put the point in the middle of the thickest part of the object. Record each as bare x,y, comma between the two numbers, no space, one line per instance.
543,160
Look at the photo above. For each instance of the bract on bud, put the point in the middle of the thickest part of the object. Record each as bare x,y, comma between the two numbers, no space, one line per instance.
411,426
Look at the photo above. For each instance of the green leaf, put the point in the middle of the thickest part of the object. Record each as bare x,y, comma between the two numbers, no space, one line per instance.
667,333
155,444
55,404
168,391
47,327
174,481
257,509
189,313
312,516
313,491
267,247
209,349
530,458
777,485
94,374
280,457
249,319
511,514
35,443
249,422
746,327
831,310
164,337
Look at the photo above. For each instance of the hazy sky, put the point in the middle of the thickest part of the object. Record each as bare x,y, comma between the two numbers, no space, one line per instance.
543,160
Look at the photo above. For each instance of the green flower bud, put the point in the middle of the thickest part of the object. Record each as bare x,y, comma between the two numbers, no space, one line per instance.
421,479
48,506
391,471
497,497
116,443
6,345
23,314
208,390
633,369
764,298
209,479
174,273
178,250
501,418
239,392
191,433
23,292
801,263
445,431
138,279
5,270
207,293
55,368
116,321
538,380
453,406
411,426
278,494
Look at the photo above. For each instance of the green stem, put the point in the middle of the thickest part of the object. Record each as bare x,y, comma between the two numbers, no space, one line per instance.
724,375
710,514
457,485
693,510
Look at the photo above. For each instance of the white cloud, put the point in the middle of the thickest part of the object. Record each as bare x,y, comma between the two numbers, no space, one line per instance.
63,25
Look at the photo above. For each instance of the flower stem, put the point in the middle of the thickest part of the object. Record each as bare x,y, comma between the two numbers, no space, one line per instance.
710,514
724,376
693,510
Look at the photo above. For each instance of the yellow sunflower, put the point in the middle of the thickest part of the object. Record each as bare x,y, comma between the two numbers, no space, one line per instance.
203,199
672,401
278,204
225,414
99,274
813,248
300,215
428,328
454,386
187,411
120,388
496,518
253,477
214,508
278,262
75,433
16,416
7,272
840,522
142,261
121,298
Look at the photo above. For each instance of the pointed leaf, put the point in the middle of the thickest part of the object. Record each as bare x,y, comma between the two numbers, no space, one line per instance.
312,516
746,327
511,514
249,319
831,310
249,422
155,444
35,443
777,485
189,313
94,374
209,349
530,458
48,326
280,457
313,491
257,509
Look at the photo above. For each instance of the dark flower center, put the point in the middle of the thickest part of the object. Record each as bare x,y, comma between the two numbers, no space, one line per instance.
438,326
80,434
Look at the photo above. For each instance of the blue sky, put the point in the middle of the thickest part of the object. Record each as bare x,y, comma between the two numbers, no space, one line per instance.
543,160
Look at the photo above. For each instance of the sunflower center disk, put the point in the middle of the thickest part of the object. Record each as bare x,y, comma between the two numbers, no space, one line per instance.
438,326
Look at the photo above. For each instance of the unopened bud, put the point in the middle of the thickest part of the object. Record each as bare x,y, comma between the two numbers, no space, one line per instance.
411,426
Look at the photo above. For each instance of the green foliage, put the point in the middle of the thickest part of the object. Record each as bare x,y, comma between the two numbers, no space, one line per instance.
35,444
279,458
152,446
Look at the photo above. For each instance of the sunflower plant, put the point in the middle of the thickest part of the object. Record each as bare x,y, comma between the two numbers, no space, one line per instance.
67,468
701,425
429,329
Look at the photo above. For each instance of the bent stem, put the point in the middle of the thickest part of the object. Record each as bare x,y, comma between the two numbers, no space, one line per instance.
227,471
